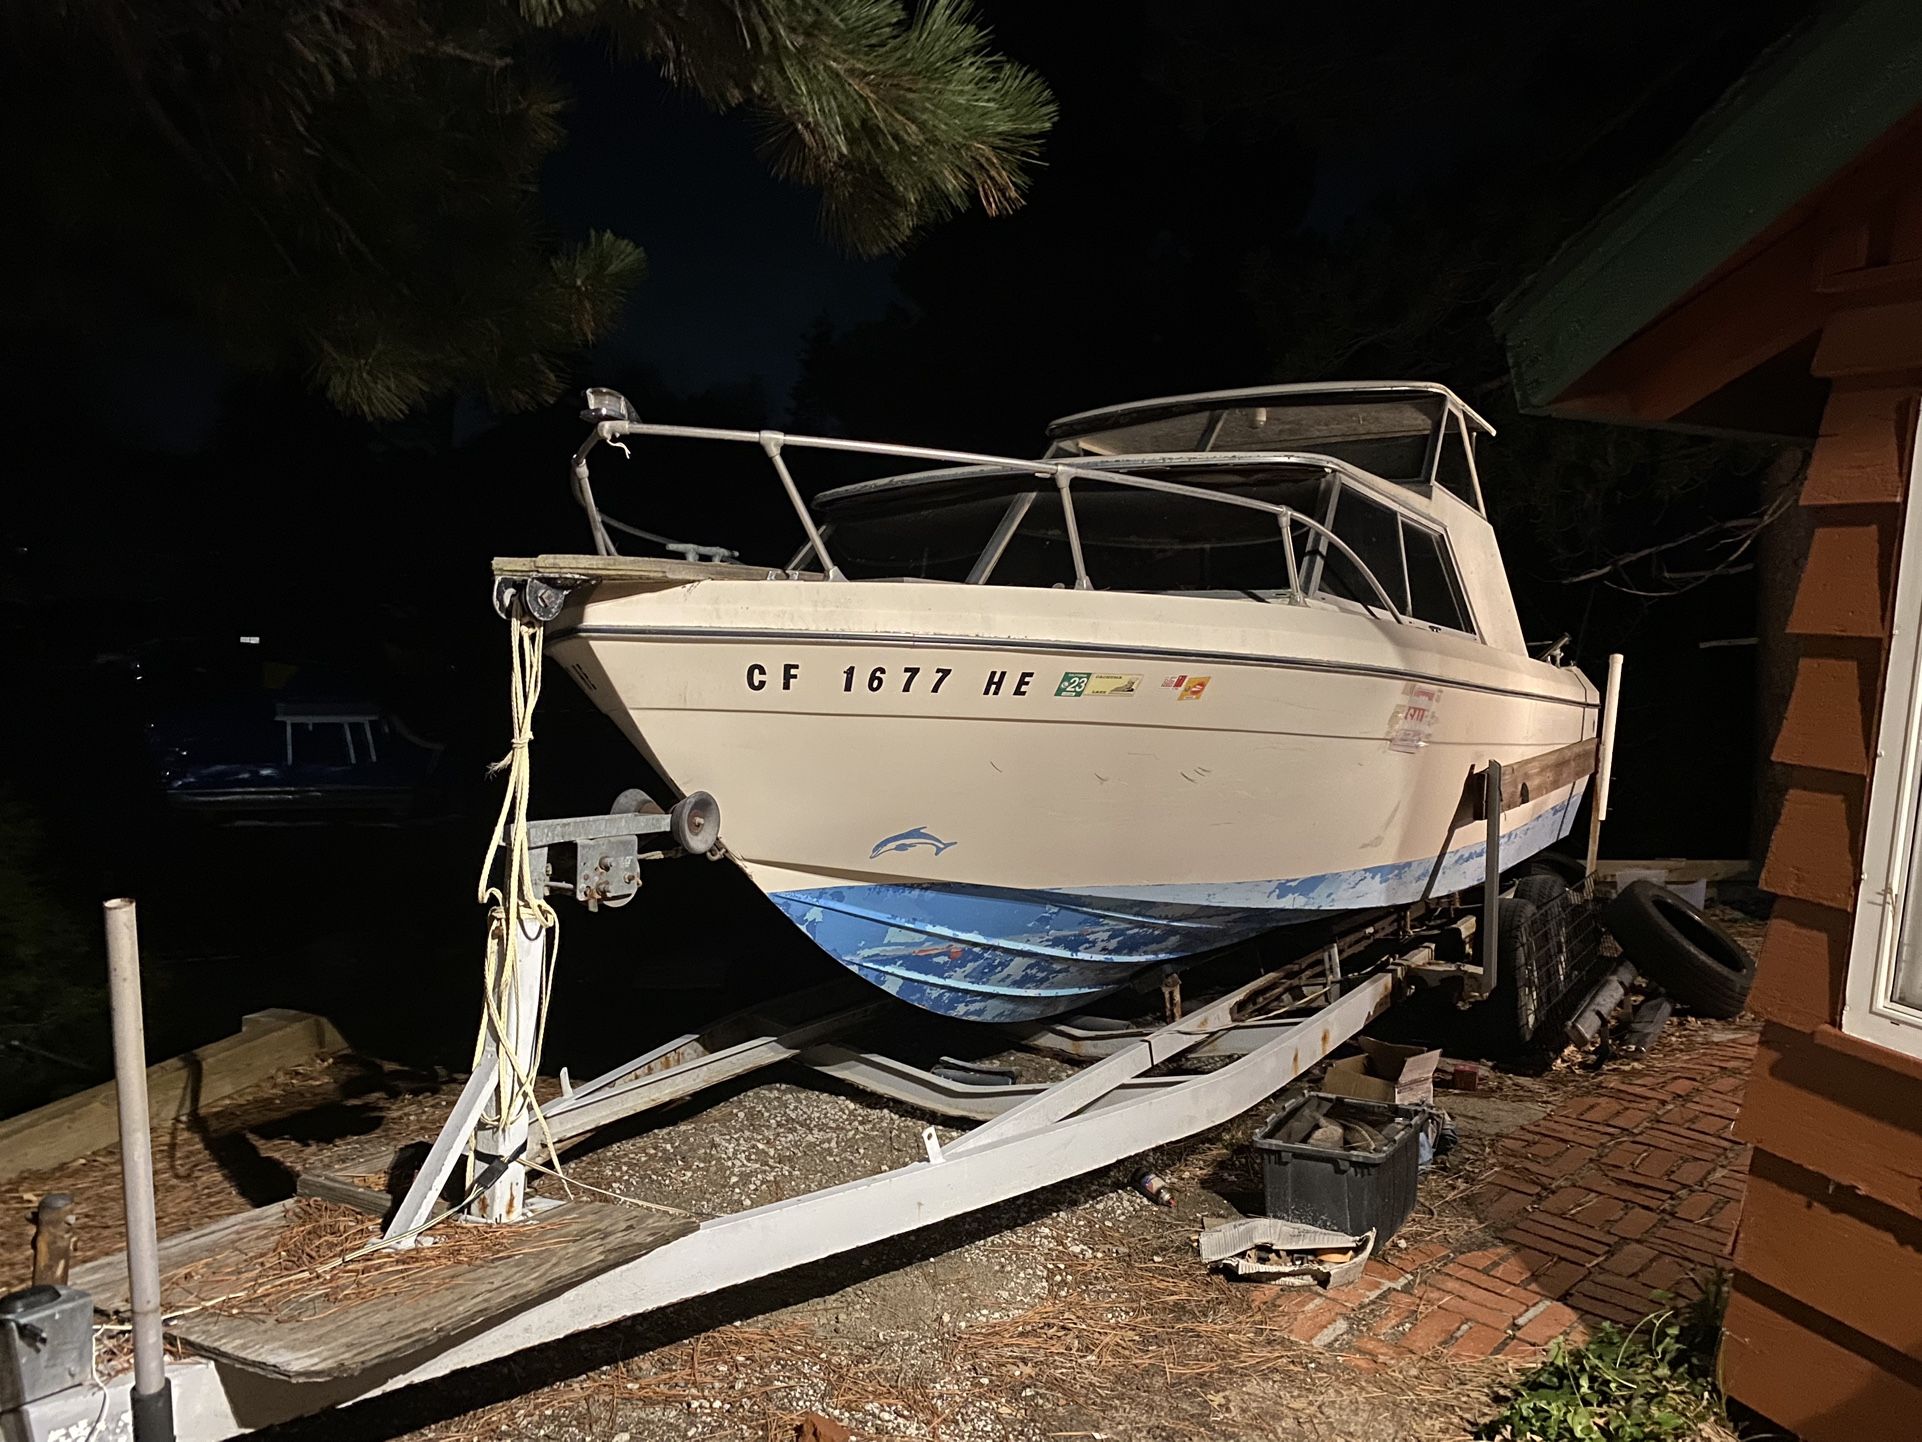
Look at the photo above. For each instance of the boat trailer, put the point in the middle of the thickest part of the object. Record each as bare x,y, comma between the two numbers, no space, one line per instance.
1133,1086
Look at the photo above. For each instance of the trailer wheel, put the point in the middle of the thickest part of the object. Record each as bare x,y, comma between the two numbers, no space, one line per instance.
1571,869
1500,1026
1689,956
1541,888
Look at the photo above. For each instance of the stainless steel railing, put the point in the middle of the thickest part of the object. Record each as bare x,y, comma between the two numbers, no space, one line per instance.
1064,474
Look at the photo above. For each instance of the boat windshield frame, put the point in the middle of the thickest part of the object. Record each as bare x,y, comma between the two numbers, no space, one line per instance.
775,444
1454,419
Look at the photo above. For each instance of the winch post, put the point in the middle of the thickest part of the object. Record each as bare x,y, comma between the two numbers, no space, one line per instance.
501,1138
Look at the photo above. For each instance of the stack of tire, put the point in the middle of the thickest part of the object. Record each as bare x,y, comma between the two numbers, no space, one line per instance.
1702,968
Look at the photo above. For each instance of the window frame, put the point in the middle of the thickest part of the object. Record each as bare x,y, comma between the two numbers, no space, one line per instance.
1453,576
1311,588
1870,1007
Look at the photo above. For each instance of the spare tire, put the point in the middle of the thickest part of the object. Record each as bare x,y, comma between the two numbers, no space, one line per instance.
1690,957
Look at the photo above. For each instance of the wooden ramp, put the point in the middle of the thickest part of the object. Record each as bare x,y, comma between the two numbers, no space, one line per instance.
265,1290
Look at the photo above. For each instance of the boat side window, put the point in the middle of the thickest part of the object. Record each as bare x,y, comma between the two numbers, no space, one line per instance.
1373,532
1434,590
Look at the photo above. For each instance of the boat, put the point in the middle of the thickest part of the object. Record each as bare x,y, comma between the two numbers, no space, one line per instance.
1006,733
237,733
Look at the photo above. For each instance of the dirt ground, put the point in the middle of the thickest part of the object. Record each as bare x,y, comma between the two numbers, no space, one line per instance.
1080,1312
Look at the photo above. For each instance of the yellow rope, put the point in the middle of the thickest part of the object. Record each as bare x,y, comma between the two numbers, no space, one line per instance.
523,896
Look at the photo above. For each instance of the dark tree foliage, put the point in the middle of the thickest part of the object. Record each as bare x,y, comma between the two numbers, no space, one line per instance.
345,189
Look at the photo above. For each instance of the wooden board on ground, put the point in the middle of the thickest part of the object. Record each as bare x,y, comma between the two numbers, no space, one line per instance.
1679,870
270,1302
268,1042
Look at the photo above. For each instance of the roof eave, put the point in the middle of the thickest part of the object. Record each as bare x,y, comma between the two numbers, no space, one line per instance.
1781,133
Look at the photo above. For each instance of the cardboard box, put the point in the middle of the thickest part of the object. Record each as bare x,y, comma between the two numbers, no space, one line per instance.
1384,1072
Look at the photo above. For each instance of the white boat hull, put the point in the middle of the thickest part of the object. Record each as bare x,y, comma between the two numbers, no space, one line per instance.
1001,803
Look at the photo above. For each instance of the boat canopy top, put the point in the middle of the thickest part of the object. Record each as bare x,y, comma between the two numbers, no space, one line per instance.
1409,432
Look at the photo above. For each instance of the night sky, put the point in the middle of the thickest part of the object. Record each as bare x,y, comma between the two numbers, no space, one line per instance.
737,266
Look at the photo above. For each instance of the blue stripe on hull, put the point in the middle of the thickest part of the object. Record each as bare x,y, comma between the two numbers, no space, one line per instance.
990,954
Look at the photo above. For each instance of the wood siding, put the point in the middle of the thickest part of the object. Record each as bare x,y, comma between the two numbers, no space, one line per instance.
1824,1333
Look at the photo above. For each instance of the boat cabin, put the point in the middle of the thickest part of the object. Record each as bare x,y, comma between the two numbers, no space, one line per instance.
1361,497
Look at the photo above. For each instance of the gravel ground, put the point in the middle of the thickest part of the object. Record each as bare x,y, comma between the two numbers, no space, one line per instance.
1080,1312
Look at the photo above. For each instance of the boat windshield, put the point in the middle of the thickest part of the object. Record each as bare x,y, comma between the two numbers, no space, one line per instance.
1391,436
1132,540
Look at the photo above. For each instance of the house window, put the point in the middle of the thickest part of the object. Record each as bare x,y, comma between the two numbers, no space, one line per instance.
1883,999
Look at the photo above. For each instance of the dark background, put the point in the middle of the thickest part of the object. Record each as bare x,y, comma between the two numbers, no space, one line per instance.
1234,193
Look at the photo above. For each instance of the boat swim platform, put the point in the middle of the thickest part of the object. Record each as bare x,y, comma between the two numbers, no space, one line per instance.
275,1327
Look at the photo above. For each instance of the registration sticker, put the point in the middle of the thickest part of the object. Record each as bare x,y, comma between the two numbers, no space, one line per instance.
1194,687
1096,683
1413,722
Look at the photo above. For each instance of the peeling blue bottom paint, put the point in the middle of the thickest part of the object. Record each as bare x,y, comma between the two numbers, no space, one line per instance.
983,953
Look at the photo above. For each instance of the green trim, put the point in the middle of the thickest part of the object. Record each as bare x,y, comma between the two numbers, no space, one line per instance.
1784,129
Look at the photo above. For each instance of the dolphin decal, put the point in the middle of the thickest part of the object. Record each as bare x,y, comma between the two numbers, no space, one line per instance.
908,840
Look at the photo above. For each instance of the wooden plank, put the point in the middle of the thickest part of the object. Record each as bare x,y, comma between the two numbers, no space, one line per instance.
1538,776
1847,580
1818,1385
1679,869
1857,1049
268,1042
1861,456
1840,1254
1831,707
1805,958
1843,1119
1870,340
380,1308
327,1187
1814,854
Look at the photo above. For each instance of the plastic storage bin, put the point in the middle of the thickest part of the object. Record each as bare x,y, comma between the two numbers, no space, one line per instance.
1351,1187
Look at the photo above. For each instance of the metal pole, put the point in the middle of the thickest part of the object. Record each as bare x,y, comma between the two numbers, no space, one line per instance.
152,1393
1604,768
1492,884
771,442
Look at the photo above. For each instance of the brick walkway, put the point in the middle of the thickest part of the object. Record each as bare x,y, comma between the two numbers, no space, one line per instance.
1629,1189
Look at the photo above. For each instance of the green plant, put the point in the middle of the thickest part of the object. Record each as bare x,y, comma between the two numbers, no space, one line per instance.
1653,1383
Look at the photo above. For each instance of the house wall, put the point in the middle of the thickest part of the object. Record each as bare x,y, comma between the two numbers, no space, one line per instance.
1824,1330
